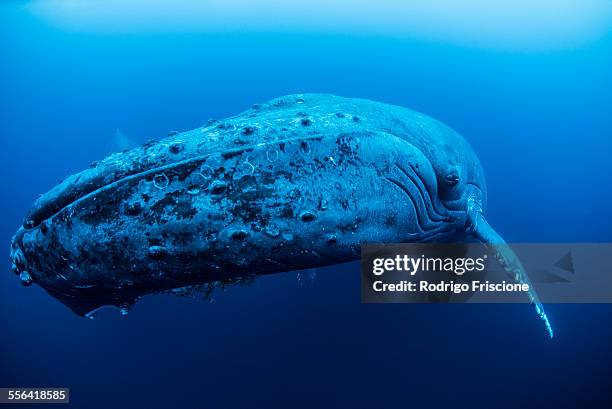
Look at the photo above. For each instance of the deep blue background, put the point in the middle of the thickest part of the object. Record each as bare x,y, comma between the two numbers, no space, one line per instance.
540,122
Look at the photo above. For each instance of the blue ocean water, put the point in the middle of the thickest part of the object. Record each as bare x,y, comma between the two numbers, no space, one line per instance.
540,121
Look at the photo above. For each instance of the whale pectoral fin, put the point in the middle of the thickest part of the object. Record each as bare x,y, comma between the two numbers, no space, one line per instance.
481,230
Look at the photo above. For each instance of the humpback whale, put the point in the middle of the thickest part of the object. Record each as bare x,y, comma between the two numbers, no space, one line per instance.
295,183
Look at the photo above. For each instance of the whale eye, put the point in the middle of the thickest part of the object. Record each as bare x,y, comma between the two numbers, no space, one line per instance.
452,178
450,185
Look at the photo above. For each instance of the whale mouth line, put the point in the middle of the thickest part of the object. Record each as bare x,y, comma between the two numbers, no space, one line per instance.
65,199
47,212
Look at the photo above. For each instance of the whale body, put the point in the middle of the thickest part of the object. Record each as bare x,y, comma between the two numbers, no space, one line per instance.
298,182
